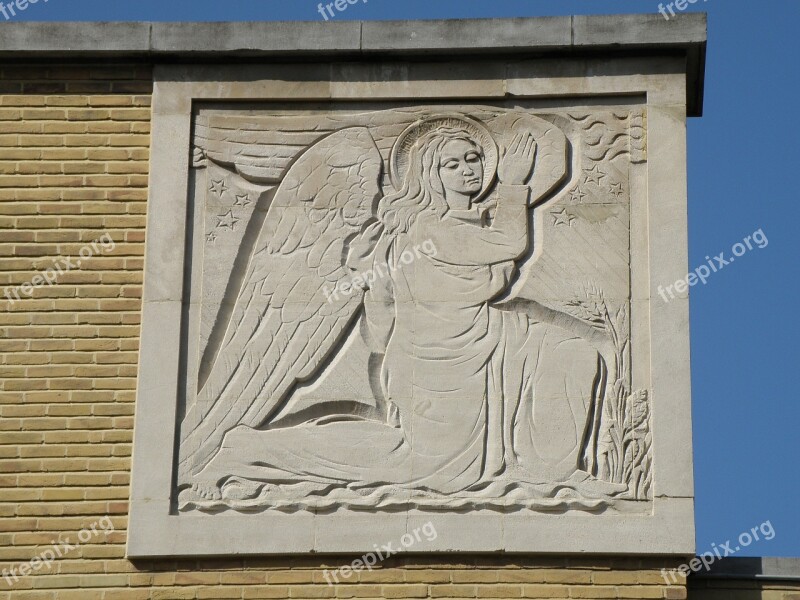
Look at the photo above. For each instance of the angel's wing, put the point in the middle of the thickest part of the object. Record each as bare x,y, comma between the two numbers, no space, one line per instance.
285,320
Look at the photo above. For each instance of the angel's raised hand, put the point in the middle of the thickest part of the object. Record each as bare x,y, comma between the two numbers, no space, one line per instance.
516,166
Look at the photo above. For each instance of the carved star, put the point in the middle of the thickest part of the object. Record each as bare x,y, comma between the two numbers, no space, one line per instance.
227,221
594,175
218,187
578,195
562,217
616,189
211,238
242,200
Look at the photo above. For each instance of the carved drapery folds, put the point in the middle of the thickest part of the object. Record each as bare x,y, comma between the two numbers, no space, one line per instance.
414,307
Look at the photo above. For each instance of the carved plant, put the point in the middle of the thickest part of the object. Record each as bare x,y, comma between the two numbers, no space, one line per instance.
624,450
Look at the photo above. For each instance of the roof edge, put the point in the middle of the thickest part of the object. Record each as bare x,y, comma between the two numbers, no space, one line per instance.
219,41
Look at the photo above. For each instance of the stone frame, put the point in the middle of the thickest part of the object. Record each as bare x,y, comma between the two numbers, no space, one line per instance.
659,255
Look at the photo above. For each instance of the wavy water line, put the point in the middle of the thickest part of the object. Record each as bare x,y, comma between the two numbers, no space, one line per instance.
508,497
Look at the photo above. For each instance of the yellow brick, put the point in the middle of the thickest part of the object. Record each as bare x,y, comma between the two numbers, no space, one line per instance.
218,593
266,592
545,591
11,385
23,411
126,594
110,100
63,494
43,480
243,578
87,114
37,222
474,576
21,495
41,451
657,578
186,594
107,154
14,346
97,345
127,167
22,127
36,168
17,181
312,591
195,578
118,493
62,153
83,167
66,101
8,114
22,437
41,140
453,591
96,371
290,577
84,141
109,127
130,114
163,579
69,410
593,591
57,236
427,576
62,127
640,592
60,181
358,591
675,593
404,591
128,140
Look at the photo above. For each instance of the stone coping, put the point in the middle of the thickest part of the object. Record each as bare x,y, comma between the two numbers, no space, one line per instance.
217,41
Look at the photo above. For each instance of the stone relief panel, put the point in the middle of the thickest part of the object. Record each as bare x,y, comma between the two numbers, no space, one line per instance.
412,307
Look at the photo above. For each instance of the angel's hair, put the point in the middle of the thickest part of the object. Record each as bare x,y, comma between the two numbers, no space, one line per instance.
422,185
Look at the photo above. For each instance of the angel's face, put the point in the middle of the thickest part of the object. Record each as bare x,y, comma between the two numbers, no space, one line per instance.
461,168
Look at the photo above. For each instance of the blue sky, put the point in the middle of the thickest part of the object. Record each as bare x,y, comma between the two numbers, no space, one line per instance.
743,158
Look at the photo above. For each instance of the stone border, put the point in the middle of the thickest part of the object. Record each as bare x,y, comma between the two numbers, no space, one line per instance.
684,34
659,243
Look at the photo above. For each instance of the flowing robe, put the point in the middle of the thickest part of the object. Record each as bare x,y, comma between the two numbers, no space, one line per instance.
459,377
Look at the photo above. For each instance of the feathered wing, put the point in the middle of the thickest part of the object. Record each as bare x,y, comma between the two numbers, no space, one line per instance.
285,320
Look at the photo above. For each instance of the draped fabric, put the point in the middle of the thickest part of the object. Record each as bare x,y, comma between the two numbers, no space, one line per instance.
475,396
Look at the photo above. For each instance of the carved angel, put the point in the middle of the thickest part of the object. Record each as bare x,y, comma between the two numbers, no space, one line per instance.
470,394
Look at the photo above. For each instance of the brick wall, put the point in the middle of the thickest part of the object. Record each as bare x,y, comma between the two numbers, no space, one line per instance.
73,168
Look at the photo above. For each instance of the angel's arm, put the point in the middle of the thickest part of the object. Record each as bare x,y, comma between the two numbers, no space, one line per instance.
472,242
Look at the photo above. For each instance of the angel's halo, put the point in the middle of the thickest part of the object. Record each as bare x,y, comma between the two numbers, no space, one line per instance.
398,162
